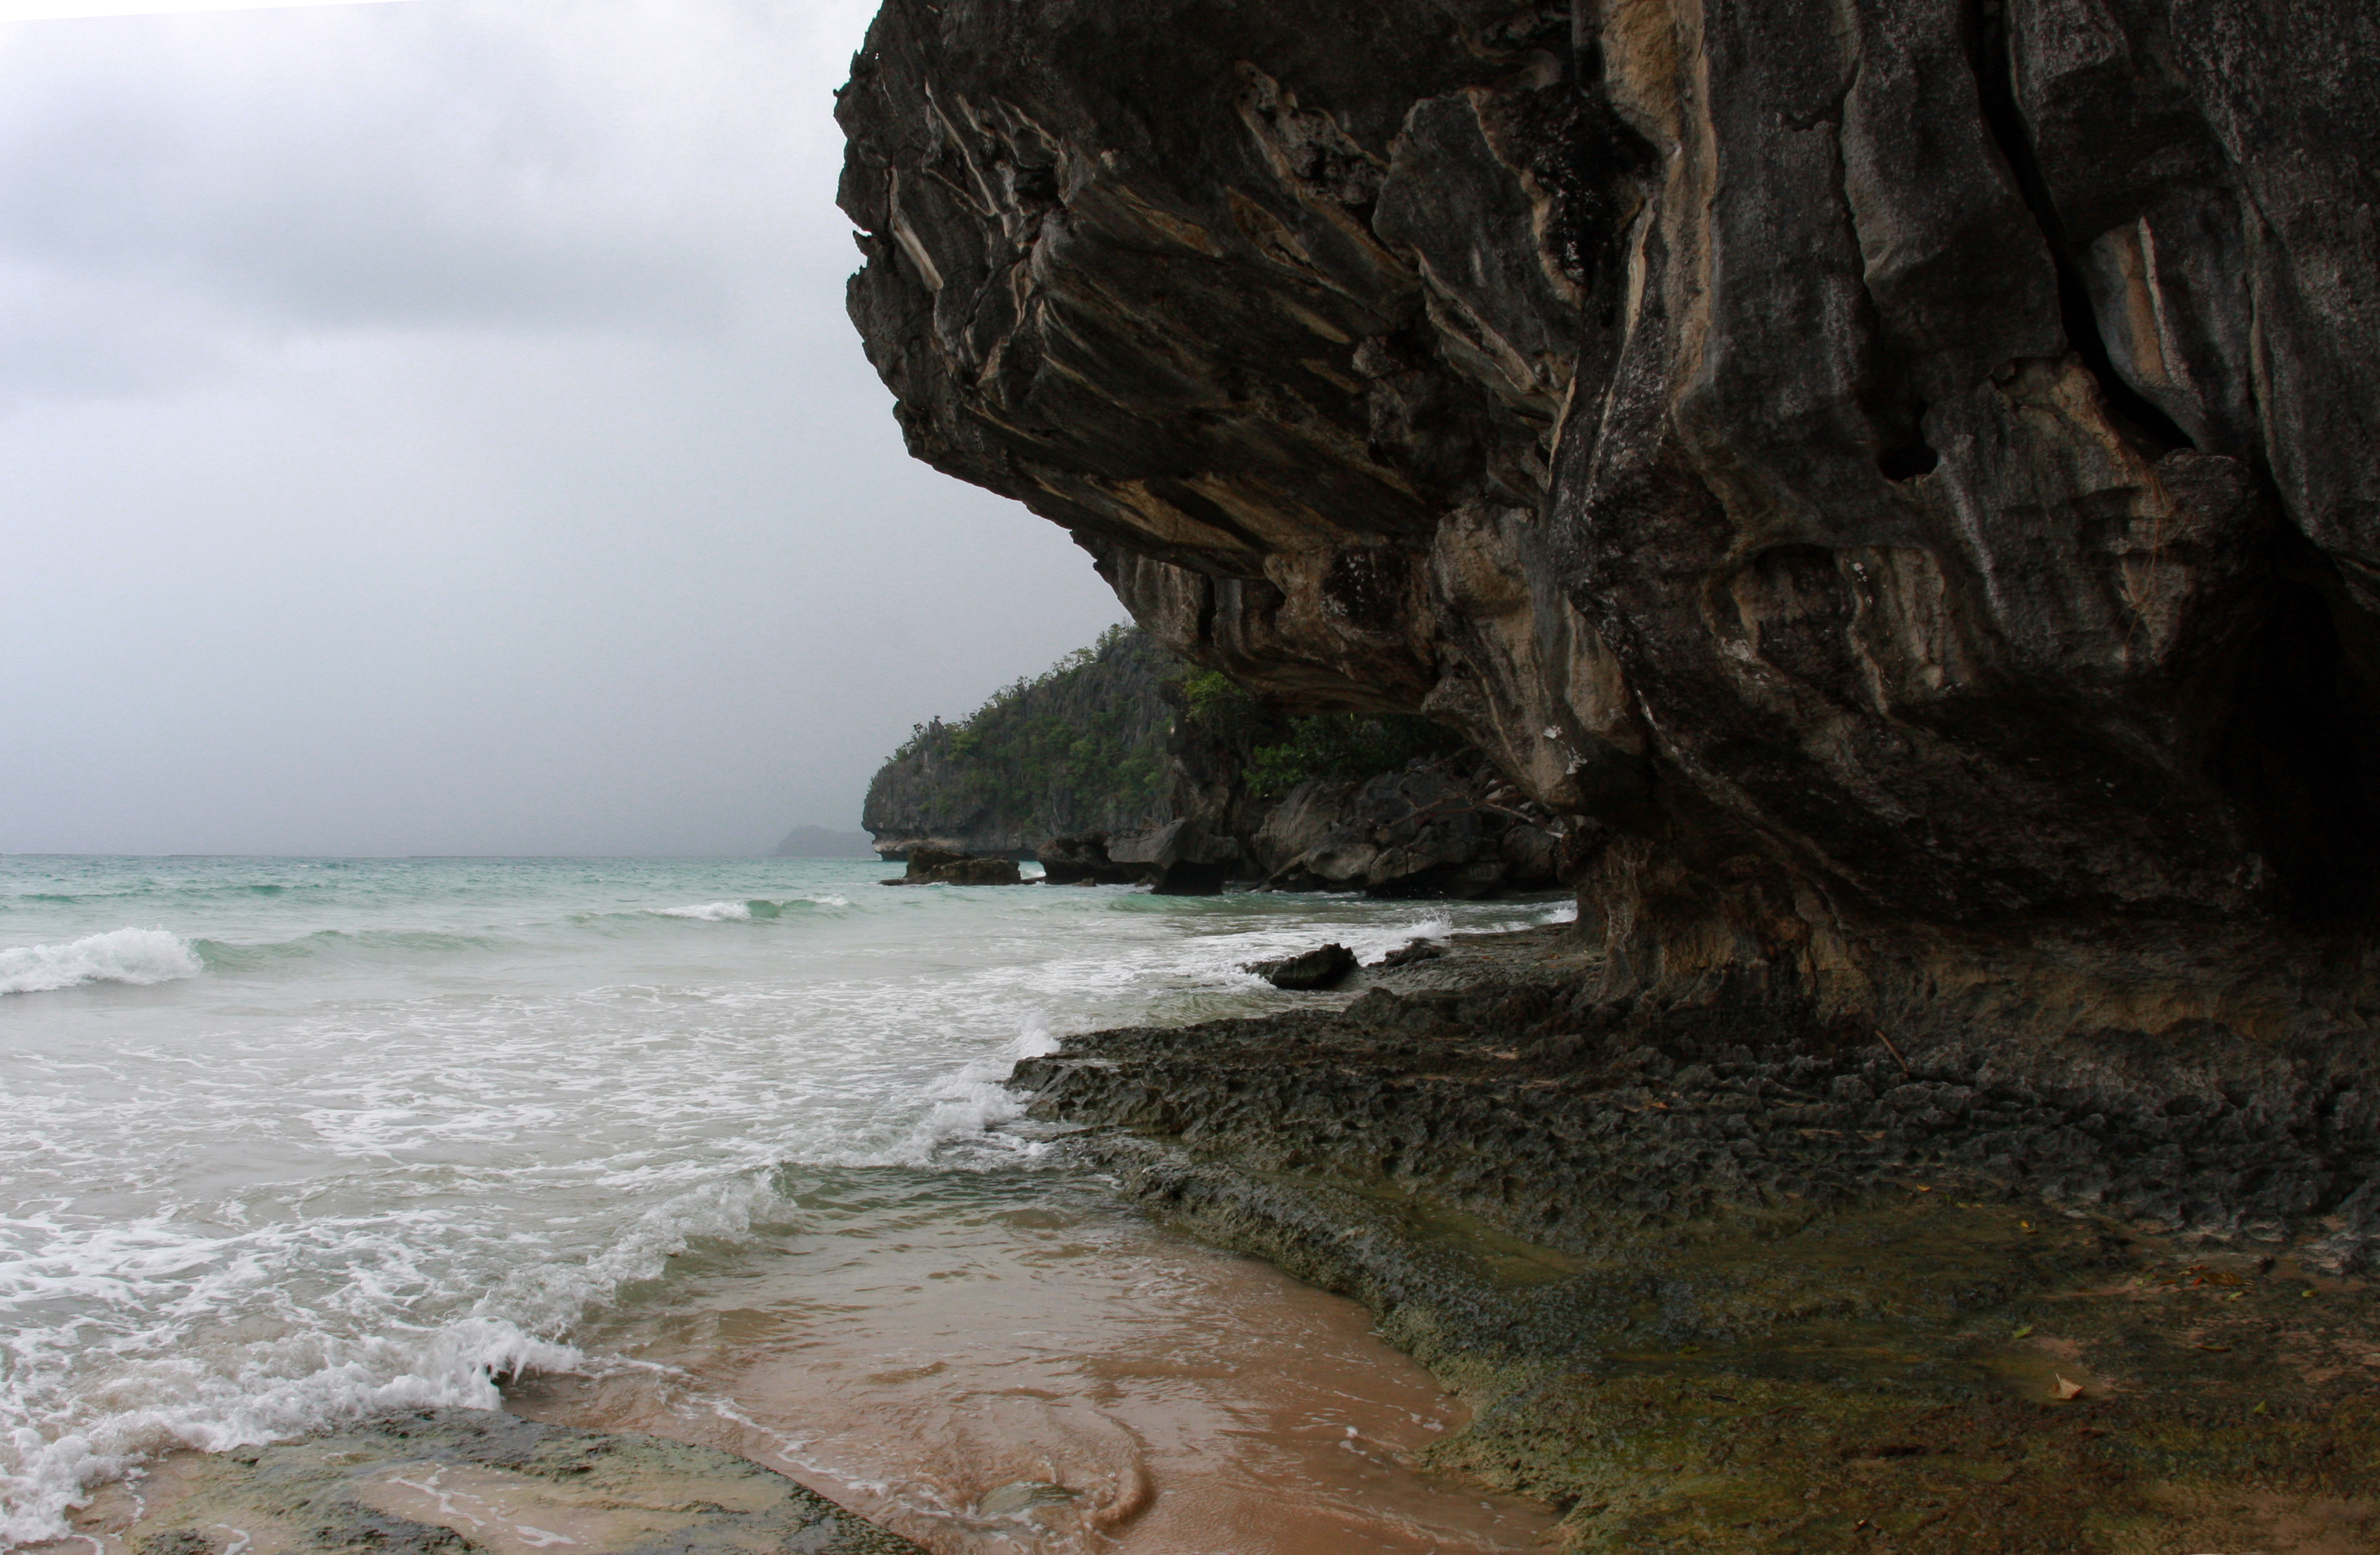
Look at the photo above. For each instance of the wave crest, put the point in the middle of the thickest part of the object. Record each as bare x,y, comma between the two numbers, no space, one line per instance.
140,957
744,912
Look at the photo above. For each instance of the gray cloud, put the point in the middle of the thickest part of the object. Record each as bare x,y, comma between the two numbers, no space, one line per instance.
433,427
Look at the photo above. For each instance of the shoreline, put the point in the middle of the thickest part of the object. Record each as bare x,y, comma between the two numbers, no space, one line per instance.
1715,1272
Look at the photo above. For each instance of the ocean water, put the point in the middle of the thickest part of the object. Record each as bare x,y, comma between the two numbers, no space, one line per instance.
711,1147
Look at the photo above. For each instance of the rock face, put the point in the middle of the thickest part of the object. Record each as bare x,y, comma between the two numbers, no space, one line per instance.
1445,827
1900,475
1083,861
1437,829
932,866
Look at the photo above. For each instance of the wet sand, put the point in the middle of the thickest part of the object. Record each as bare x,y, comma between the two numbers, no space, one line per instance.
1019,1365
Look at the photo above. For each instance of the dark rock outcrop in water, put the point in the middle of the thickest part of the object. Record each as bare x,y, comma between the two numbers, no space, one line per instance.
1900,477
1083,861
932,866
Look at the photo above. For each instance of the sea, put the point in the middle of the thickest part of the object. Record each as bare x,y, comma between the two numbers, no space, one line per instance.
715,1149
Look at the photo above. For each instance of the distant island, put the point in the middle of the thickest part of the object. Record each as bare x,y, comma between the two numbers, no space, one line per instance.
824,842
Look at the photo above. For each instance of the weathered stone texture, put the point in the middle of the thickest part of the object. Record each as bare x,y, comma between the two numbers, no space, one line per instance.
1887,460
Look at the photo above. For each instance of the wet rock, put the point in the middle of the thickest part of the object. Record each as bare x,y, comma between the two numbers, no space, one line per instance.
1187,857
1083,861
452,1481
1326,966
933,866
1728,1275
1411,953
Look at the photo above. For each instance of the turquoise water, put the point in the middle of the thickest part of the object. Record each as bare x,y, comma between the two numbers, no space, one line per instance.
288,1141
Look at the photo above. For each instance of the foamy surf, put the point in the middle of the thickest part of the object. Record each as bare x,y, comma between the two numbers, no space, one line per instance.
425,1122
139,956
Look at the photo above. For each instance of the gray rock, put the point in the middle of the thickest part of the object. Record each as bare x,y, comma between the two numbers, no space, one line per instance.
1084,861
933,866
1878,469
452,1481
1323,967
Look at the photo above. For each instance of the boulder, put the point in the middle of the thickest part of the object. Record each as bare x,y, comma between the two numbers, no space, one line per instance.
1411,953
929,866
979,872
1084,861
1325,967
1182,858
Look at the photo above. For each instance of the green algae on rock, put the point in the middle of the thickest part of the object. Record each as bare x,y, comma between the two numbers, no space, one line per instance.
451,1481
1715,1283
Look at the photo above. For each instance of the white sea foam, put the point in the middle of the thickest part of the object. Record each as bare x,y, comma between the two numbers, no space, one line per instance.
370,1163
744,912
967,1107
158,1398
140,957
1034,1038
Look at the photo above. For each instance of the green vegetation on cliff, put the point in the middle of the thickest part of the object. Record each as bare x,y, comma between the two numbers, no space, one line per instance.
1281,752
1084,747
1079,748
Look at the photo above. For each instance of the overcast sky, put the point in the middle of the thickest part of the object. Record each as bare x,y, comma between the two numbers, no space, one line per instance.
433,427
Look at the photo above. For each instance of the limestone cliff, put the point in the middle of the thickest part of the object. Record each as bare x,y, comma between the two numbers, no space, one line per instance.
1901,474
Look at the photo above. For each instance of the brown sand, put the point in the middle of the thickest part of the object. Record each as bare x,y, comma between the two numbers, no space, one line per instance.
1041,1372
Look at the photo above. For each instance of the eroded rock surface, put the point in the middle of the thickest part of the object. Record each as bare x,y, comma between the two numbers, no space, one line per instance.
933,866
1725,1278
455,1481
1880,463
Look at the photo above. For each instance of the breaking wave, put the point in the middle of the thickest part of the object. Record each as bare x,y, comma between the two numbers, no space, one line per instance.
139,956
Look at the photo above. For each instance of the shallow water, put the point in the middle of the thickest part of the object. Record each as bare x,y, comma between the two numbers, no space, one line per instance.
714,1148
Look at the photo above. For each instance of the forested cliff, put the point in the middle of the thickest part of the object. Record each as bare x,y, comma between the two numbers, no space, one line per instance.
1139,769
1080,748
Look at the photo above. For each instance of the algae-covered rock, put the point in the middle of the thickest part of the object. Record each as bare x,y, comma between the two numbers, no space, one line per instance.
1722,1279
452,1481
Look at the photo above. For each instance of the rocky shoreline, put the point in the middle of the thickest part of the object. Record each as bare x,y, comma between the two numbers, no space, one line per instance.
1719,1273
455,1481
